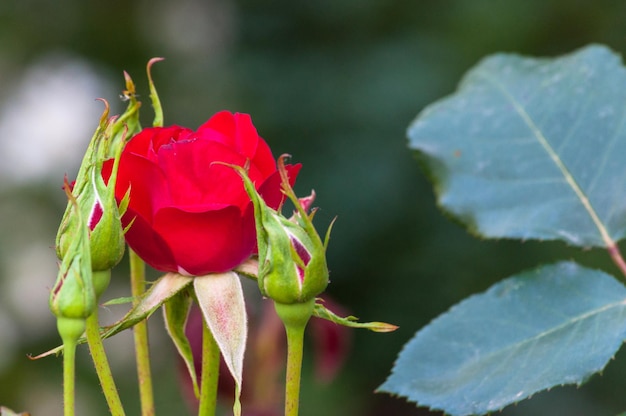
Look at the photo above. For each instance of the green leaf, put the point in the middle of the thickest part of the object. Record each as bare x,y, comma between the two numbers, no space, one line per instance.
175,312
558,324
532,148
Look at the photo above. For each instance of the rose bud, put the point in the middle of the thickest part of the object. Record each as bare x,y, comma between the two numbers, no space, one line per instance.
73,297
292,257
96,198
188,213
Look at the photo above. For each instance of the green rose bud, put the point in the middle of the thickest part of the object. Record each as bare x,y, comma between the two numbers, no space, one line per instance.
73,298
95,198
292,257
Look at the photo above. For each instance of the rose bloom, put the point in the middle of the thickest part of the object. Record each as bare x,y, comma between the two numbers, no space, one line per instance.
188,214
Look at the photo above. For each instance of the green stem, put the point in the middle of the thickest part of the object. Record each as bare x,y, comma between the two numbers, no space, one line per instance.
102,365
140,332
69,359
70,330
295,339
210,373
295,317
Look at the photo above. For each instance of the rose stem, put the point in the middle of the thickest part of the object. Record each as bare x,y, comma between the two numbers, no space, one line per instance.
69,357
102,365
140,332
210,373
295,339
295,318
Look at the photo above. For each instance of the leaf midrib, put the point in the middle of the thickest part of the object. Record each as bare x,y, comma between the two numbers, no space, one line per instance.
570,322
545,144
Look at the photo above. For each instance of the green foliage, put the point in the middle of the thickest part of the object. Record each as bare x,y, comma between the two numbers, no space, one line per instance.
528,149
532,148
553,325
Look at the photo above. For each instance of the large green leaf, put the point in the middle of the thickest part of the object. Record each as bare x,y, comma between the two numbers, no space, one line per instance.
555,325
533,148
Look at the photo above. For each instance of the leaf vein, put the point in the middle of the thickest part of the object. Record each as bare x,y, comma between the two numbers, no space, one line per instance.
545,144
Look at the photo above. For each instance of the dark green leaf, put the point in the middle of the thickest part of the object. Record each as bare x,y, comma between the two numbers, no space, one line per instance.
533,148
555,325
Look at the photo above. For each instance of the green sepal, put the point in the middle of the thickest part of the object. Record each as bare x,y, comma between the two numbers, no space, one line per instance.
320,311
96,197
175,314
154,96
73,294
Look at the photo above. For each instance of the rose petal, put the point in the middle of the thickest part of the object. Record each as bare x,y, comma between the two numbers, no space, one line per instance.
271,189
234,130
263,159
207,242
194,179
148,245
147,183
148,142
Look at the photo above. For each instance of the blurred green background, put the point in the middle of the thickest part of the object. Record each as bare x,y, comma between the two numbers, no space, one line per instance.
335,84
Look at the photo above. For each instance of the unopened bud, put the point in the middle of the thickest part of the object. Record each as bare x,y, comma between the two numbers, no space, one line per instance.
95,198
73,299
292,257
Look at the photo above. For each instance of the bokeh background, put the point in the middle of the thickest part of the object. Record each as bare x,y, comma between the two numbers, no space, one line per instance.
335,84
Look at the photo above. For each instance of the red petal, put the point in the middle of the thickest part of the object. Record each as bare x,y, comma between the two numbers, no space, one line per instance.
147,183
271,189
207,242
148,141
195,181
95,215
233,130
263,159
148,245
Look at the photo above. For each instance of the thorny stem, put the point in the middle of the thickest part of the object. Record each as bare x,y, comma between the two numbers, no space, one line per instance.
140,333
102,365
210,373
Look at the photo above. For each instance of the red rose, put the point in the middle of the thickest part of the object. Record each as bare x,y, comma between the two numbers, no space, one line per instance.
190,215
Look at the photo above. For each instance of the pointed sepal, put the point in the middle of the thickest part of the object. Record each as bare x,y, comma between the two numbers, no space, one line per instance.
220,297
320,311
94,195
175,313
